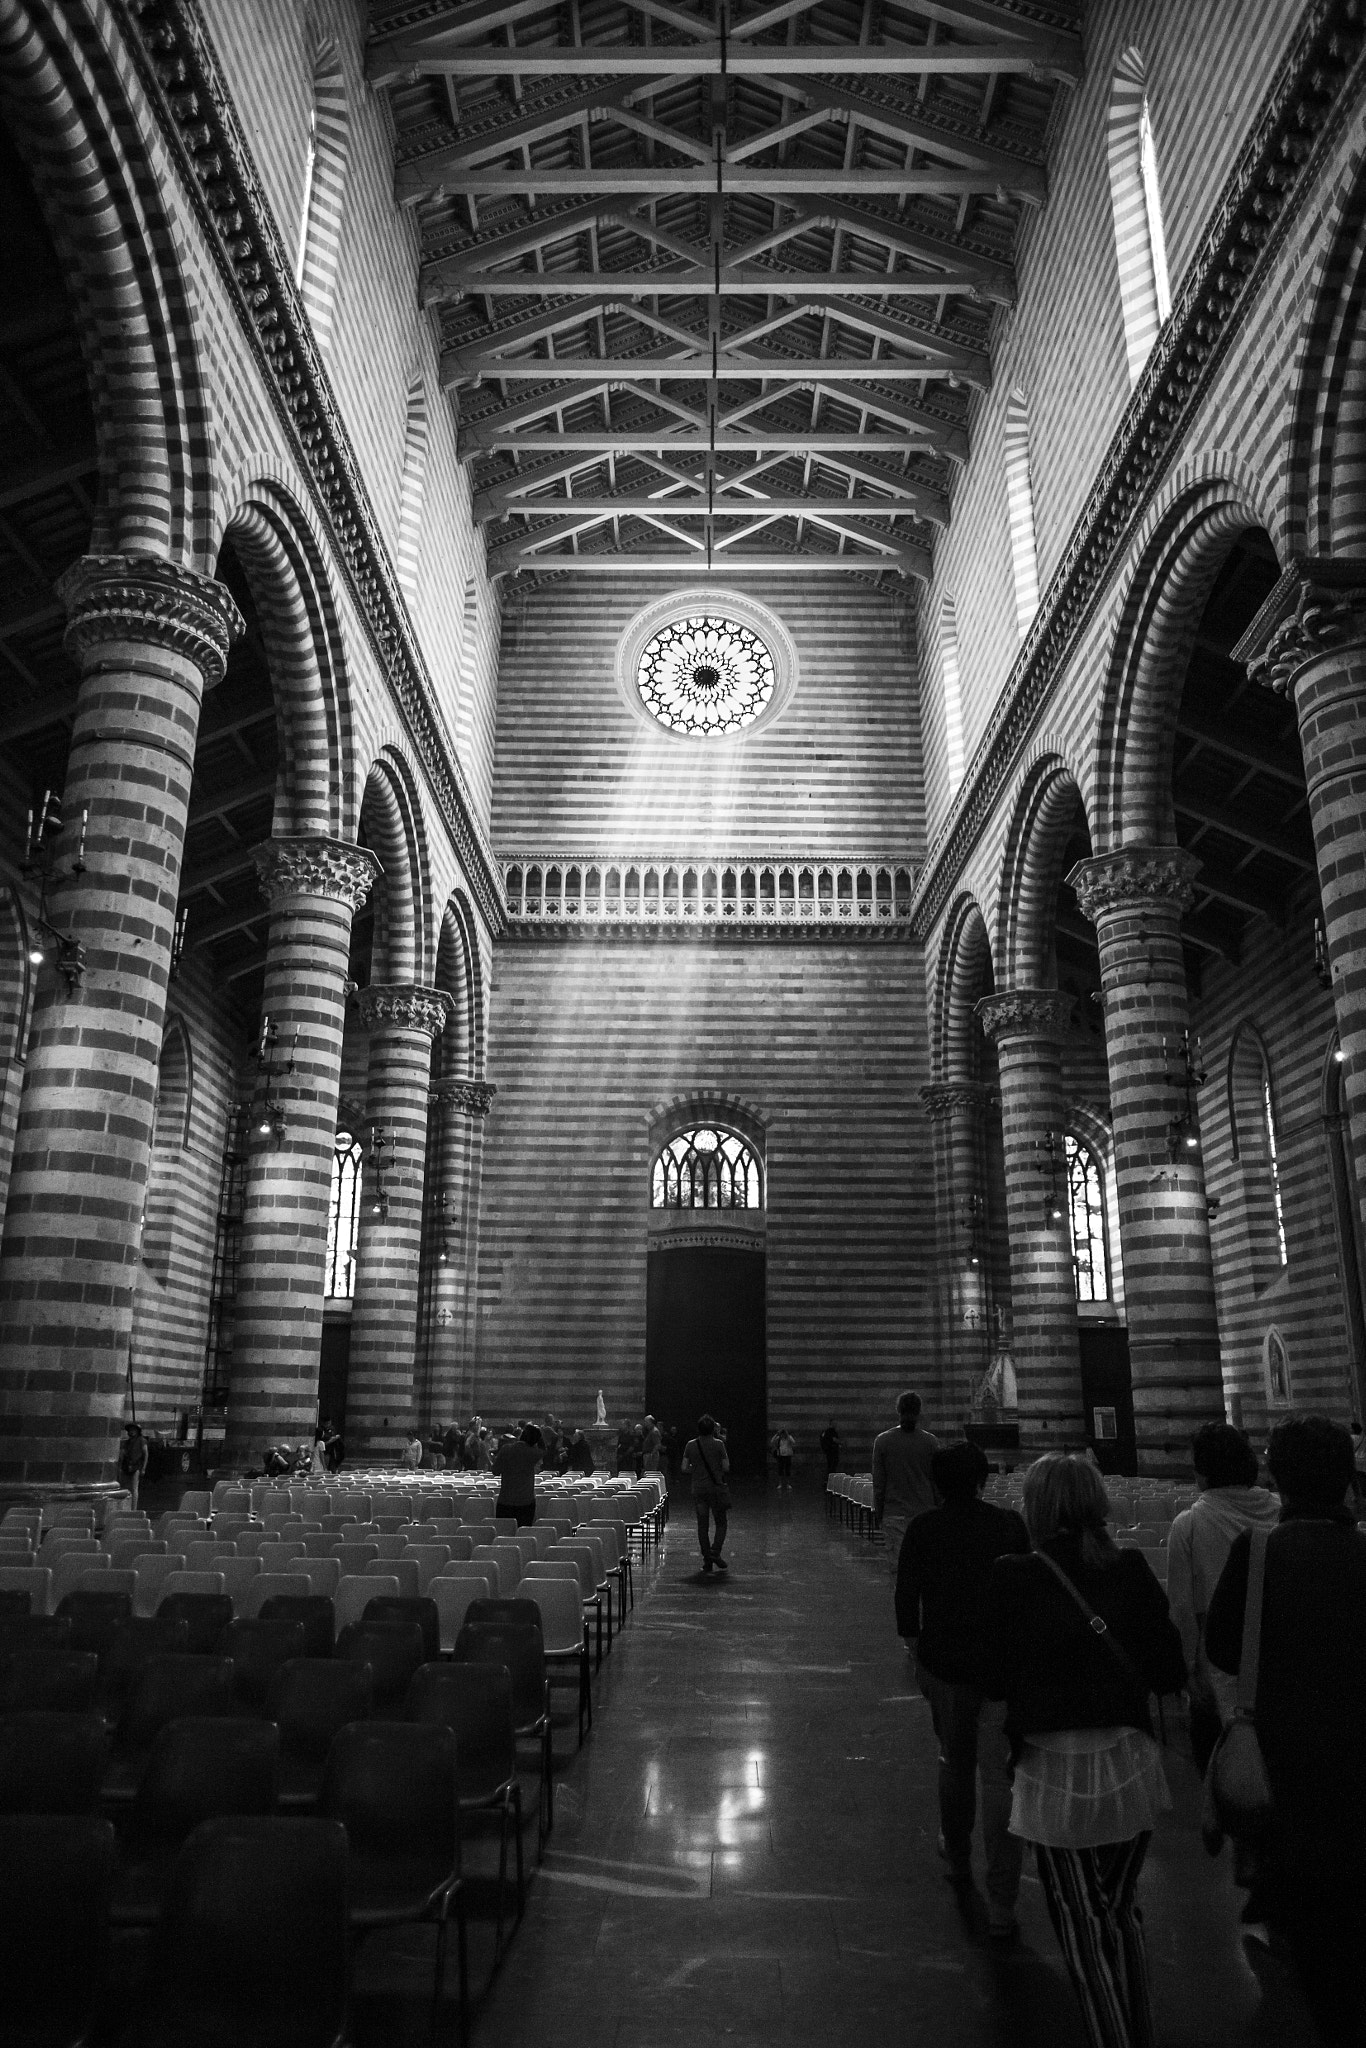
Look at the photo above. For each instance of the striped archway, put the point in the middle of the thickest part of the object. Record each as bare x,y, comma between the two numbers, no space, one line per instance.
1041,822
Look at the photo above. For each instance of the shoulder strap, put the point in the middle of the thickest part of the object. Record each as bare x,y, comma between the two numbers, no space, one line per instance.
1098,1627
1250,1655
706,1461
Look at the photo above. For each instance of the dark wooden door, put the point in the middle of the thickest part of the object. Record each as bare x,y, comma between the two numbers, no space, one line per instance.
704,1346
332,1370
1108,1396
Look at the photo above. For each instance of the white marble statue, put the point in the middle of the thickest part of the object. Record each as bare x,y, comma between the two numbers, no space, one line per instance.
602,1411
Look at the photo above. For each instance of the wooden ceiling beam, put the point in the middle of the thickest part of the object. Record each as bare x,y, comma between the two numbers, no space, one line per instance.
786,504
464,366
621,440
605,288
1223,818
960,268
446,55
787,181
1226,736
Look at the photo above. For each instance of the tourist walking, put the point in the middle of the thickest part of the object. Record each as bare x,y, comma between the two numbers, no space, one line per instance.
705,1457
946,1559
1201,1538
1075,1638
830,1444
1310,1715
902,1483
132,1461
516,1463
784,1447
654,1444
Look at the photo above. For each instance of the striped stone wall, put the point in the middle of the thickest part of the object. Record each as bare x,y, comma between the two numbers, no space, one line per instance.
826,1043
577,770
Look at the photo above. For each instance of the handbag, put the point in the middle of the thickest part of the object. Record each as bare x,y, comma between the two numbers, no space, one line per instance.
1238,1800
720,1490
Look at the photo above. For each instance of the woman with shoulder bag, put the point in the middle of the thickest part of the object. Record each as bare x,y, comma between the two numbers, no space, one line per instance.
705,1457
1076,1635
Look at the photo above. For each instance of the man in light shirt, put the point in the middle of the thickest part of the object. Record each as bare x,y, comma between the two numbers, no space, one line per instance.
902,1483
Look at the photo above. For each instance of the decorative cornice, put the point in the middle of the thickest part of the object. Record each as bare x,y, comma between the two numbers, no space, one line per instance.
143,598
950,1098
1318,606
1312,97
179,67
1025,1013
330,868
1133,878
466,1098
408,1004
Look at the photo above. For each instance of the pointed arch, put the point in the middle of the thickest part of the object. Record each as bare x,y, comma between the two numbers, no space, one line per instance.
1140,240
414,485
1024,555
965,973
1328,451
324,195
1041,821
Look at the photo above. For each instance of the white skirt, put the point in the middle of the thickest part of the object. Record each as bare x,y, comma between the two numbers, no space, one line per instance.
1083,1787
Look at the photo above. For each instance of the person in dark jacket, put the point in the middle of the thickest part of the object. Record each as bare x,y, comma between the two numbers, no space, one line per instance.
1075,1637
941,1575
1310,1715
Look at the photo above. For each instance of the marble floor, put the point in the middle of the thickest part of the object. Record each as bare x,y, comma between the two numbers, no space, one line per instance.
745,1848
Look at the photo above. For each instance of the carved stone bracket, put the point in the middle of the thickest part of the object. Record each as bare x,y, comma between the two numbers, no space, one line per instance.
1318,606
1025,1013
143,598
465,1098
331,868
948,1098
405,1003
1133,876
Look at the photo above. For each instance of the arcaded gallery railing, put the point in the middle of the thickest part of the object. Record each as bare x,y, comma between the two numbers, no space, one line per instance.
866,891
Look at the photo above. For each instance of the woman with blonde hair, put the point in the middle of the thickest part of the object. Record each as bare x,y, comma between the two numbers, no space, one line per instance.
1076,1637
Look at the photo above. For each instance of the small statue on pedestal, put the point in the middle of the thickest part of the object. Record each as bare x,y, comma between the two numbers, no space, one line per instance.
602,1411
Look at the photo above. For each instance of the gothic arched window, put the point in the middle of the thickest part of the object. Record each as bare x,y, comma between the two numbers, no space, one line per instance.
1024,553
1140,243
707,1168
1086,1218
1257,1149
343,1219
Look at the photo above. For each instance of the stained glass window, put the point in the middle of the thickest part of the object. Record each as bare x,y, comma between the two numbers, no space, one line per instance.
1086,1214
707,1168
706,675
343,1219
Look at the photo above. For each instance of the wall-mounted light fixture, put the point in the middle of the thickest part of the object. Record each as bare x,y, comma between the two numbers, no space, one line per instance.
381,1142
1050,1149
270,1119
1183,1132
40,859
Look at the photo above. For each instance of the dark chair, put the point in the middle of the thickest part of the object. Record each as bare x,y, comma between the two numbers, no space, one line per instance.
200,1767
95,1617
393,1653
518,1647
52,1762
387,1608
475,1702
41,1680
168,1689
14,1604
26,1631
311,1699
520,1613
314,1610
252,1947
393,1784
124,1662
208,1614
257,1650
55,1874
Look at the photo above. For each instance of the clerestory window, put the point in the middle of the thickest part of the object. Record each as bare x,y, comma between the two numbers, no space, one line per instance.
707,1168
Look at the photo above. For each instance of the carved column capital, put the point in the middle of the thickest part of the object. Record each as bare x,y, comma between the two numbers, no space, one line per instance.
143,598
406,1003
948,1098
1025,1013
465,1098
1318,606
331,868
1133,877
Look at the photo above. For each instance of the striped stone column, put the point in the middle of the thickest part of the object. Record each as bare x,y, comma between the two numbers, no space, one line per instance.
1027,1026
314,887
1308,644
381,1389
149,638
1135,899
460,1108
956,1110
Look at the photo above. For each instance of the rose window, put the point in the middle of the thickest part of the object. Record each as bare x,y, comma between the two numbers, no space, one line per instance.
705,674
